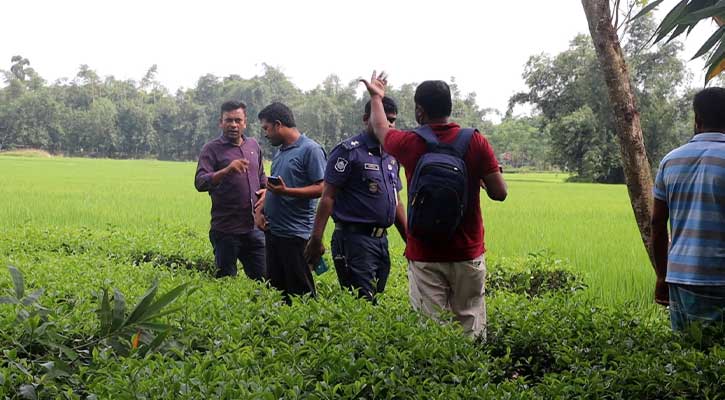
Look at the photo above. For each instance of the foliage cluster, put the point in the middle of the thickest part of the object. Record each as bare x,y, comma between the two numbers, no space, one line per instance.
106,117
234,338
569,91
571,126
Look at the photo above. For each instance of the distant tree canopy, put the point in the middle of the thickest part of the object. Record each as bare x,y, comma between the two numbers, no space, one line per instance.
90,116
570,93
571,126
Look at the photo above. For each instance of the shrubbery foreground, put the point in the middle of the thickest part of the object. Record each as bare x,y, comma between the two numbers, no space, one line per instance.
70,329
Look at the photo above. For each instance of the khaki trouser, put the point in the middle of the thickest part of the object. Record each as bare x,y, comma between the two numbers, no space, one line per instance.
458,287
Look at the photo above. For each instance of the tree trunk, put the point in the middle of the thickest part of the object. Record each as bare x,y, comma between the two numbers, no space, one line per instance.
624,104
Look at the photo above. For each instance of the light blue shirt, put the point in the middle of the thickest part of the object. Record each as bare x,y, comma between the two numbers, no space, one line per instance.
691,180
299,164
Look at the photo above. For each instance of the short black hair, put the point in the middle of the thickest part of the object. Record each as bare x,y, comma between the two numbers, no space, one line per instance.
232,105
388,105
278,112
434,97
709,106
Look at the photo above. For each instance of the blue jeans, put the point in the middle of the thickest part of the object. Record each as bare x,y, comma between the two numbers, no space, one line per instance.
246,247
703,304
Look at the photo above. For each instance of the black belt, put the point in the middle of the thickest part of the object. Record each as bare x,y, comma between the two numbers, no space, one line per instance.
363,229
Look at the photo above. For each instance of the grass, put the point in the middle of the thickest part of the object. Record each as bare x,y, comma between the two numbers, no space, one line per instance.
590,225
75,226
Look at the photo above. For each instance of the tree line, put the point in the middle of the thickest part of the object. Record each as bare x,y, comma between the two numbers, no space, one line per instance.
571,126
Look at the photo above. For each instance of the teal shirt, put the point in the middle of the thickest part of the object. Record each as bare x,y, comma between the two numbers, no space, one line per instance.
300,164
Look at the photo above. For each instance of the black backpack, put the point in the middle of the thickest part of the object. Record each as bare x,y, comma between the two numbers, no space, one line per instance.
438,192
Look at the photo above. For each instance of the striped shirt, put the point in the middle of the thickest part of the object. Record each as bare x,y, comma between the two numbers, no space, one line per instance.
691,180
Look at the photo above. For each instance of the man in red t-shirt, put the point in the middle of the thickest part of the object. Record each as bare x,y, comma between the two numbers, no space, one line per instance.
447,275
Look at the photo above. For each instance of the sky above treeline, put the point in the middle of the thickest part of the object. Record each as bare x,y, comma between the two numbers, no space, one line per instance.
483,44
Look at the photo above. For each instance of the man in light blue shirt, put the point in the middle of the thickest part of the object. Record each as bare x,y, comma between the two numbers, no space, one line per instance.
690,192
295,183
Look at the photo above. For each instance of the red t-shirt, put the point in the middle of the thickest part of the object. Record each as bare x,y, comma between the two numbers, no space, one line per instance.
467,242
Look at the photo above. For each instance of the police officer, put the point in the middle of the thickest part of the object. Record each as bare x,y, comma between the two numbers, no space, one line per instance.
361,193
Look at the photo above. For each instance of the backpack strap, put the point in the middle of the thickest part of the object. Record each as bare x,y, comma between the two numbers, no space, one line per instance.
463,140
427,134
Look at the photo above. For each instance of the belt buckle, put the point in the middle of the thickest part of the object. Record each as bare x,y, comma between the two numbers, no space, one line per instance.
378,232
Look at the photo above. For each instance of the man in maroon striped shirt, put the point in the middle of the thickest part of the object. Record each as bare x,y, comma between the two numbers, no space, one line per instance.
230,168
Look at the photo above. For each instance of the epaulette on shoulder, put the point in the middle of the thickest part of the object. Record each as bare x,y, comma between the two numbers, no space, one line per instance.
350,144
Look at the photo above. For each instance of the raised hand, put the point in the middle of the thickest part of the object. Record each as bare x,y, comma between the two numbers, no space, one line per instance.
376,86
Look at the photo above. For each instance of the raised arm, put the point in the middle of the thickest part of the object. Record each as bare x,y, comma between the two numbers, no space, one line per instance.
376,89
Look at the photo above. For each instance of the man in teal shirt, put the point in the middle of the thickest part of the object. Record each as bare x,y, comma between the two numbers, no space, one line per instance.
295,183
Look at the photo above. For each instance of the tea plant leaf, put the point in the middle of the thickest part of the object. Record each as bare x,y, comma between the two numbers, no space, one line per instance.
27,391
56,368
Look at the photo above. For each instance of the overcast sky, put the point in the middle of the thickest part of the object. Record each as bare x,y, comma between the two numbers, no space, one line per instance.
484,44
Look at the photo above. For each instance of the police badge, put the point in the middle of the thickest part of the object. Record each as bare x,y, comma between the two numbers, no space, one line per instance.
340,164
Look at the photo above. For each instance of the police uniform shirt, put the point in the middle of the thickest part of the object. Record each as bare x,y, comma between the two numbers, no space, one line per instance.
367,182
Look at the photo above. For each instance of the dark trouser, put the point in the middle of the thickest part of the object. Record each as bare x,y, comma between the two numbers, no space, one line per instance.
697,304
288,271
246,247
362,262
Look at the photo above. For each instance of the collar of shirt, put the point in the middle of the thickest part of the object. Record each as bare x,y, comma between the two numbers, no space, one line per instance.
293,145
708,137
224,140
444,127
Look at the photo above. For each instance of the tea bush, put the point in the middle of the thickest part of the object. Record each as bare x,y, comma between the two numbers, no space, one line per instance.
235,338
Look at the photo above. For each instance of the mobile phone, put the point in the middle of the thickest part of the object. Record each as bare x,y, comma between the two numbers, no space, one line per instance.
274,180
321,267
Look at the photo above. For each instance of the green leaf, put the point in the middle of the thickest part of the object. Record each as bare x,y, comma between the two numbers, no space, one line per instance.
719,35
70,353
143,305
56,368
165,300
651,6
670,21
152,326
707,12
104,314
8,300
119,310
715,69
158,340
18,282
27,391
32,297
678,31
716,56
